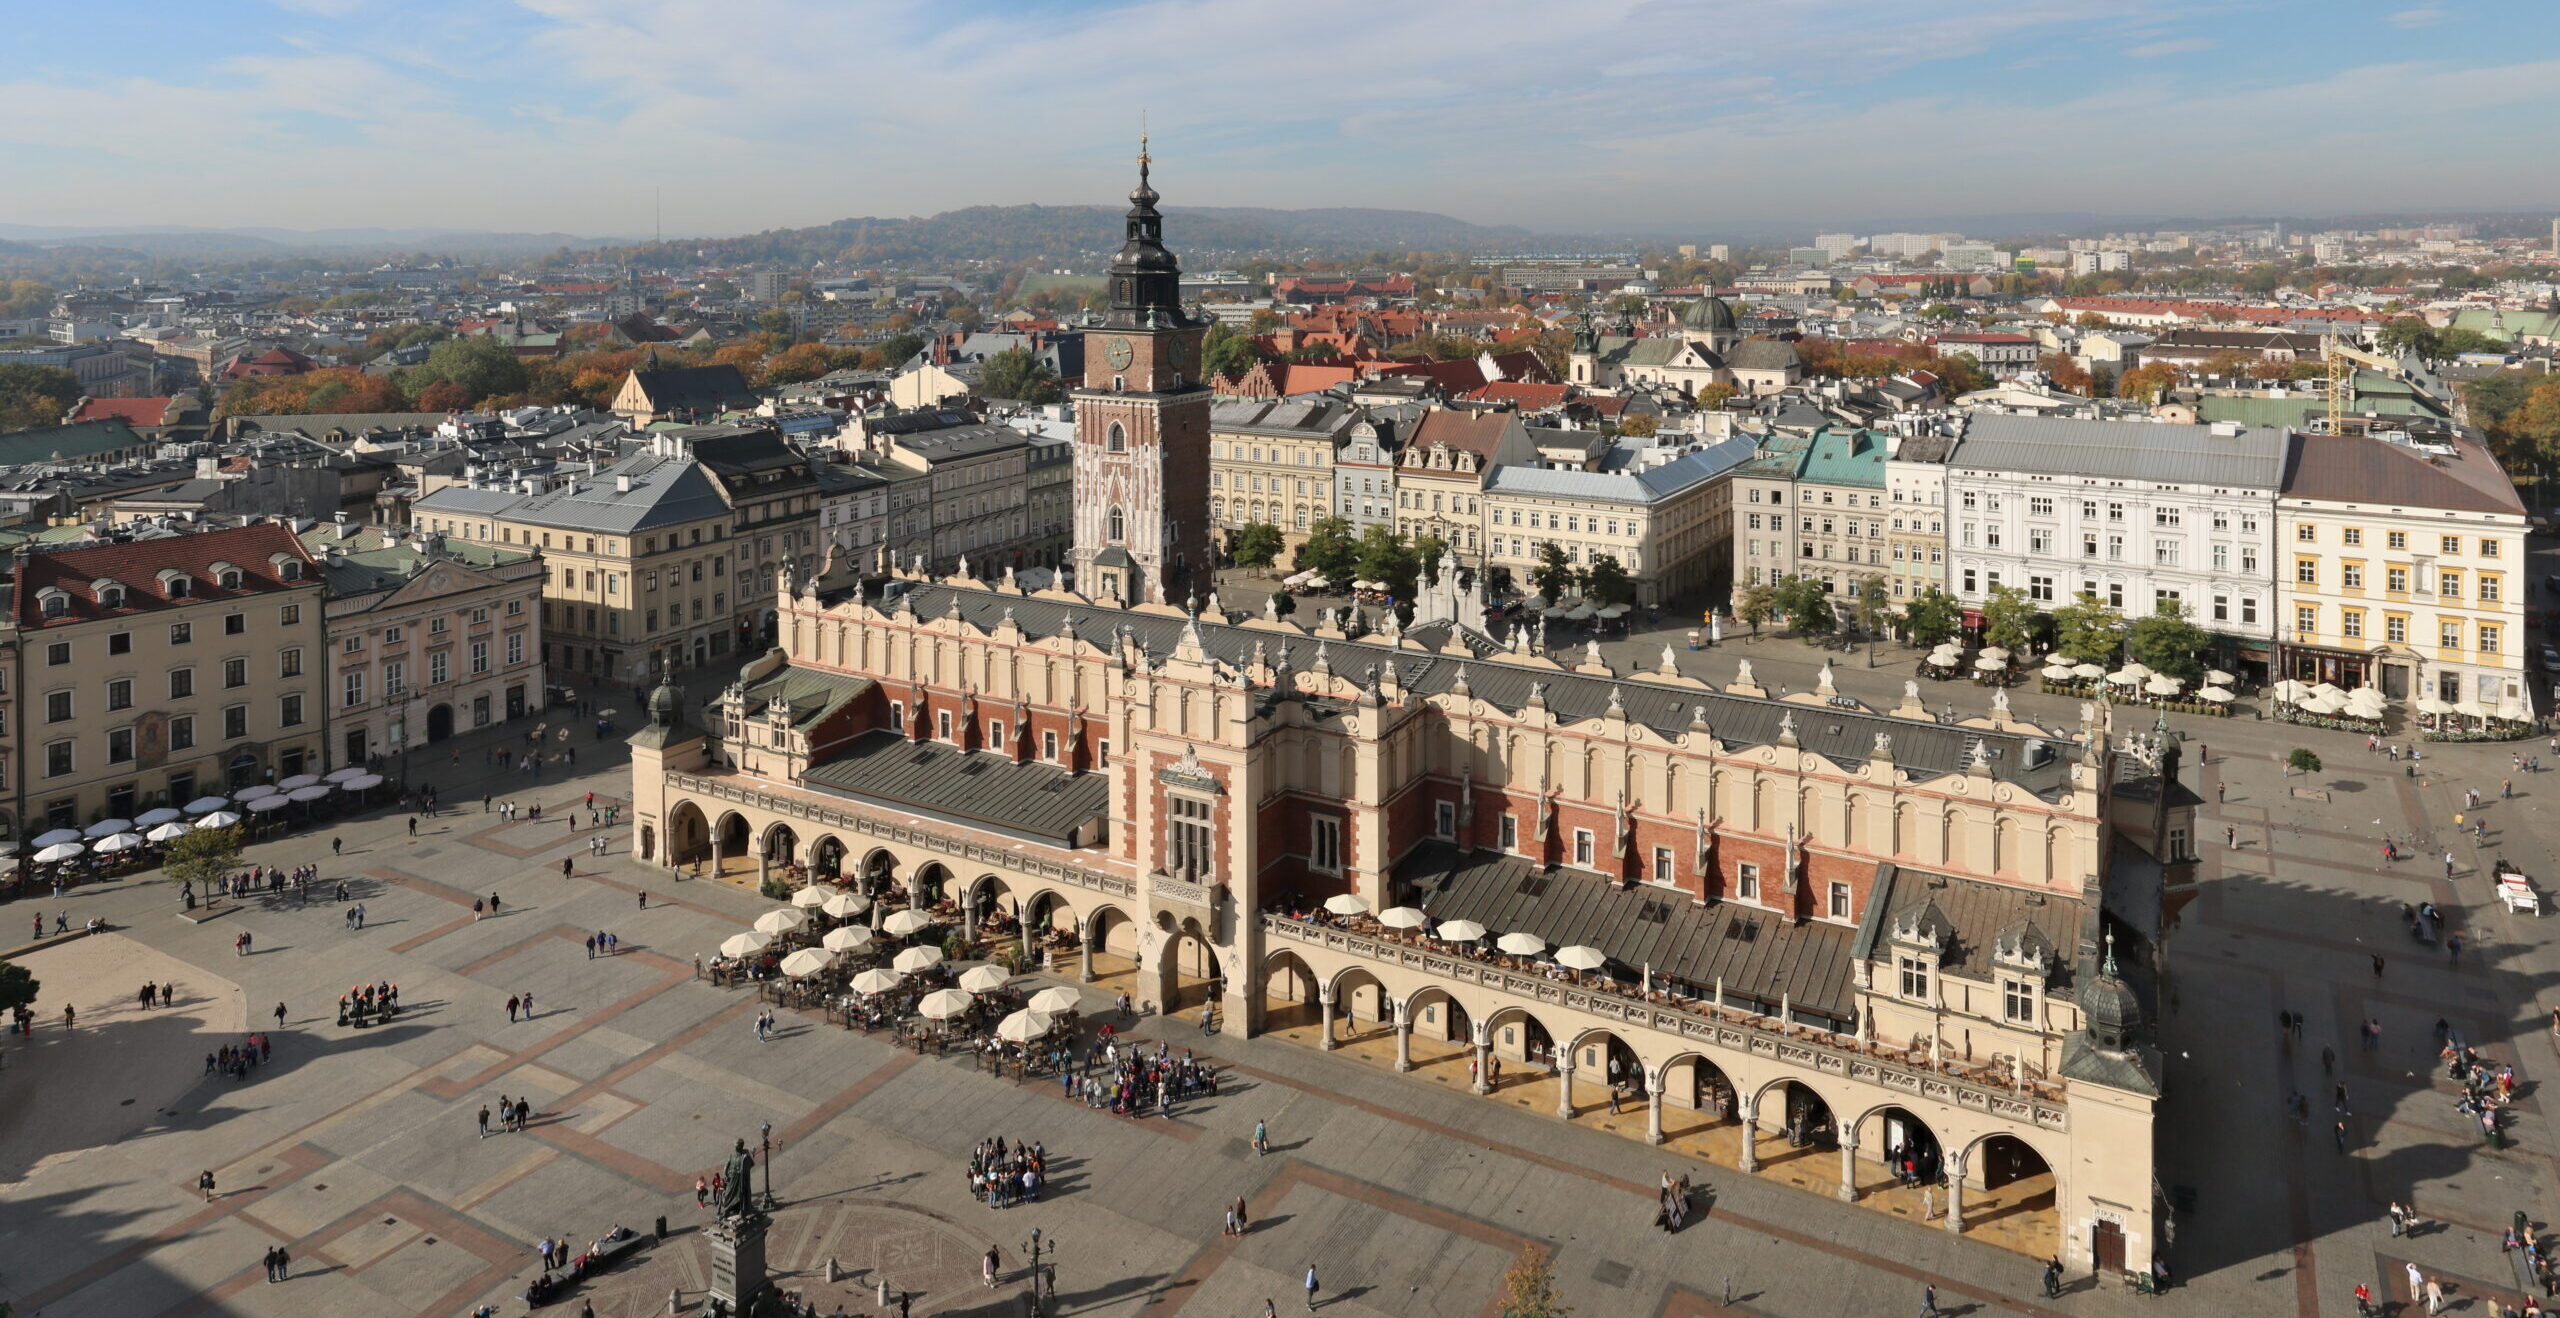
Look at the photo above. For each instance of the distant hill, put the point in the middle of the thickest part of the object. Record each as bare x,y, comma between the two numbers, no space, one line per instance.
192,241
1079,235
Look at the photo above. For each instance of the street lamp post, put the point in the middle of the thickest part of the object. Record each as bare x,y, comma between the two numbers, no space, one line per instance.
1041,1287
765,1139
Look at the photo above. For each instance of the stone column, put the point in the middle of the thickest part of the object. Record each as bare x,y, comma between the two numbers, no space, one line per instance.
1084,947
1028,942
1849,1165
1955,1194
1564,1086
1325,998
1404,1038
1653,1107
764,863
1748,1106
1484,1061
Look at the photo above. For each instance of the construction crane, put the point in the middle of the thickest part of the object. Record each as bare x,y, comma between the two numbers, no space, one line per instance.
2343,359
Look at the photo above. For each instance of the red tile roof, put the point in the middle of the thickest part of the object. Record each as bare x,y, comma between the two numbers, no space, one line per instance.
1527,393
135,411
137,565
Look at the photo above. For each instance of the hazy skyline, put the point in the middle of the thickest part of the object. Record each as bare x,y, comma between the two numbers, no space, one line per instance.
1610,114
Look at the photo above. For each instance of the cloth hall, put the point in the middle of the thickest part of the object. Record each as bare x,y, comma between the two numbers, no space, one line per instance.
1814,937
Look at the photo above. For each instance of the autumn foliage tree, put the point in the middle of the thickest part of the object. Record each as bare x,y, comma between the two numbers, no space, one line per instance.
2065,373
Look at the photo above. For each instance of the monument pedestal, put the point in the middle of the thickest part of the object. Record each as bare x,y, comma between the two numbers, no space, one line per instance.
737,1260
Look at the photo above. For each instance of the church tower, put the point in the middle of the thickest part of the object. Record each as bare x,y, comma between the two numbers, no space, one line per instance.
1142,429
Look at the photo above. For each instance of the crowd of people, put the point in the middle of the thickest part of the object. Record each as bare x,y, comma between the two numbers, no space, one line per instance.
1002,1176
366,1004
236,1059
1133,1082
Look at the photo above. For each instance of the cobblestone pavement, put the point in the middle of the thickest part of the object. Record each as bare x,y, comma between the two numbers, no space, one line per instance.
357,1149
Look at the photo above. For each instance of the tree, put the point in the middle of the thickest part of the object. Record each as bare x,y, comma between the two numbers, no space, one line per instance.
892,352
1257,544
1428,550
1386,559
1223,352
2302,760
203,856
33,397
2146,383
2086,631
776,321
2008,618
1016,374
1608,583
2228,363
2166,642
2065,373
1264,322
797,363
443,396
1712,397
1806,605
1330,552
483,367
2407,334
1933,616
1529,1288
1875,612
1553,575
2092,320
1284,604
17,987
1639,426
1962,372
1757,605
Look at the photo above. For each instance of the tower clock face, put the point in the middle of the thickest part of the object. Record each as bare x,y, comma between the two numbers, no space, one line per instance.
1118,353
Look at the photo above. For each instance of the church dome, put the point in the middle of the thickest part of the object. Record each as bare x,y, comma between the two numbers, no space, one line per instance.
666,704
1708,313
2110,1012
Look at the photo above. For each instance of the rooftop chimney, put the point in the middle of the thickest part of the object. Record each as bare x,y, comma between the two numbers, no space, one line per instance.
622,484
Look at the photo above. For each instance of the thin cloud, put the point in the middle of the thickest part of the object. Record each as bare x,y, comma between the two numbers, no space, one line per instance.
2181,46
2417,18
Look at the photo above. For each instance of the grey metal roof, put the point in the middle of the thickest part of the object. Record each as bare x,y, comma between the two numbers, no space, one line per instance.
1761,957
2122,450
1638,487
664,492
1980,914
960,442
1847,737
1306,416
812,694
1032,800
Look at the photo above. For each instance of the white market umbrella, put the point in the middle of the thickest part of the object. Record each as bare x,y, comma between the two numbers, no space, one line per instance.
219,819
2431,705
252,792
746,944
846,905
1520,944
1402,917
1552,611
169,832
943,1004
2471,709
298,780
1582,612
906,922
2161,684
781,920
313,792
1614,611
1579,957
106,827
1056,1000
814,896
984,979
61,851
2057,672
2325,702
2124,676
1995,652
2087,671
2287,690
265,804
2137,668
341,775
364,782
2217,677
155,818
807,961
2214,694
1461,931
57,835
915,959
2365,697
846,939
1985,663
2511,709
205,805
1023,1026
1346,903
876,981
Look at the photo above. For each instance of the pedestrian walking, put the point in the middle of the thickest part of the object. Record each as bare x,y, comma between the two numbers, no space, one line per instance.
279,1015
484,1121
511,1009
336,845
413,825
2340,1131
2220,791
1311,1288
2052,1279
566,865
528,1006
644,899
701,1193
1262,1131
204,1182
591,947
2399,1219
2435,1295
1929,1302
987,1266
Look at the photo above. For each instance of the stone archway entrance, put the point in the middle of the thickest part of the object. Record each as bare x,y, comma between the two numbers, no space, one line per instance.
730,846
1188,974
688,834
827,859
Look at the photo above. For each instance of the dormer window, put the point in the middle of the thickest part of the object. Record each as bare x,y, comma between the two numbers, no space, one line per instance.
227,575
54,603
176,585
289,568
111,598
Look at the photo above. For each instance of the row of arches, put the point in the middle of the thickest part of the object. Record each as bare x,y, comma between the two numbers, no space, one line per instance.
1804,1113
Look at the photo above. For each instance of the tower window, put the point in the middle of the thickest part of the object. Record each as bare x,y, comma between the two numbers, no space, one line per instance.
1116,440
1117,526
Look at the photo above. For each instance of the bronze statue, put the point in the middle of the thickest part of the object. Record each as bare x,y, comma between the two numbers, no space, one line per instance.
737,1198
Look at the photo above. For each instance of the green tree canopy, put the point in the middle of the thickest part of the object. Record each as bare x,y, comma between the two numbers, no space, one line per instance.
1529,1287
33,397
1608,583
2008,618
1428,550
482,366
1807,606
1257,544
2086,631
2302,760
203,856
1932,617
1388,560
1330,551
1757,605
2166,642
1016,374
1225,352
1553,575
17,987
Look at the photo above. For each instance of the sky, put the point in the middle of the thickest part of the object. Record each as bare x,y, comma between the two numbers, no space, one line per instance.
1669,116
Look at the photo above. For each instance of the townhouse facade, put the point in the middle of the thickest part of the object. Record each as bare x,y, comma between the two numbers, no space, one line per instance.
1441,471
426,637
1668,526
1915,477
2404,569
158,670
1272,461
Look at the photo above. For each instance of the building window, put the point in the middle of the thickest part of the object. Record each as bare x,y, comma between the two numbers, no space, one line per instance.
235,722
235,624
57,759
1324,848
1444,819
2449,635
182,734
120,693
479,656
120,643
57,707
289,663
2488,639
942,724
119,745
235,674
2395,629
439,667
1915,978
1662,866
2351,624
1582,847
289,710
57,654
181,633
1746,881
1189,845
1510,831
352,689
1839,901
2017,1002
